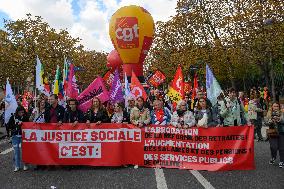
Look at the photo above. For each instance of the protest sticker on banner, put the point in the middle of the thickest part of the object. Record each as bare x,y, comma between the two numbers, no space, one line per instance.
187,87
155,146
95,89
157,78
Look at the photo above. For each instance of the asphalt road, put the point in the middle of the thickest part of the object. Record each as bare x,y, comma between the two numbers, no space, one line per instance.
265,176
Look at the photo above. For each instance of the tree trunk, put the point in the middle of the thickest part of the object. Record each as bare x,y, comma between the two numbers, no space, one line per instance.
272,79
244,84
233,83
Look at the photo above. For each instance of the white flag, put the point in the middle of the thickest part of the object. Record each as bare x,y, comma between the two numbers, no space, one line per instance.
39,79
213,88
10,102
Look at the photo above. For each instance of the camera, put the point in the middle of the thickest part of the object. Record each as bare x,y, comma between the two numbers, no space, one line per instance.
275,114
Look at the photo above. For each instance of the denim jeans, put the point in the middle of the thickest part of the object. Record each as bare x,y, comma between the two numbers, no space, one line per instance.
17,145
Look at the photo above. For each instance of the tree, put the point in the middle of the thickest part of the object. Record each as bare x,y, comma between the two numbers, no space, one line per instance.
26,38
230,36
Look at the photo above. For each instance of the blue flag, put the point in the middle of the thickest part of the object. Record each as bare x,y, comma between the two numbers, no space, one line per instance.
213,88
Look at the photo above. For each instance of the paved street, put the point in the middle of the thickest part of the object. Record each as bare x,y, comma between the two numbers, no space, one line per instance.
265,176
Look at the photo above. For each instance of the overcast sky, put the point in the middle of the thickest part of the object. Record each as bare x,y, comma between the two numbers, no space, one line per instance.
86,19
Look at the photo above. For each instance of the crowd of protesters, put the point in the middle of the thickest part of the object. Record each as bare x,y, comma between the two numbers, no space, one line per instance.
230,110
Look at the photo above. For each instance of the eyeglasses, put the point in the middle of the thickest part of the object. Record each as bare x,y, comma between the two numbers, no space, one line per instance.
202,101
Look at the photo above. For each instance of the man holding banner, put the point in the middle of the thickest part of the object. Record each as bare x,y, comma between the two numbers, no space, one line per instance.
54,113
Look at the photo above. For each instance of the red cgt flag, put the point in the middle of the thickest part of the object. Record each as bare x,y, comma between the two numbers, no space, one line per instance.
176,89
108,78
137,88
157,78
194,90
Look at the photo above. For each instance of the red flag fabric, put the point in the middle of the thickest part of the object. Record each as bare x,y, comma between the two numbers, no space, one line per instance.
108,78
195,86
137,88
157,78
194,90
72,90
176,90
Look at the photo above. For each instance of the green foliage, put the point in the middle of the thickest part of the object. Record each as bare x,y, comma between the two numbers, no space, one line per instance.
236,38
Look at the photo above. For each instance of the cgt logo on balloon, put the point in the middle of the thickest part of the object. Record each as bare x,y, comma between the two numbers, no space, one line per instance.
127,32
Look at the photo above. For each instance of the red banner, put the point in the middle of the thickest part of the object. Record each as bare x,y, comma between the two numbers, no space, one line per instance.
212,149
157,78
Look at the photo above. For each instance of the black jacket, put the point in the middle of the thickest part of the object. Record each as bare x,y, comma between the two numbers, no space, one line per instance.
59,113
101,115
16,129
211,122
71,117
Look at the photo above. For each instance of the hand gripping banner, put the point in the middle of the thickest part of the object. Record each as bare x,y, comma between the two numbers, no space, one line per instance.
213,149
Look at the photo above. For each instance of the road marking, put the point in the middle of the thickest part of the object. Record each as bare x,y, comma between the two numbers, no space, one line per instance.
7,151
160,179
201,179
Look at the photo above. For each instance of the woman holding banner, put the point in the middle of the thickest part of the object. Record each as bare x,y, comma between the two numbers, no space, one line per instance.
204,115
97,113
182,118
119,116
38,112
275,133
140,115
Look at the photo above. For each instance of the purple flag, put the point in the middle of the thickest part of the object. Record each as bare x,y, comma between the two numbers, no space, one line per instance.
115,93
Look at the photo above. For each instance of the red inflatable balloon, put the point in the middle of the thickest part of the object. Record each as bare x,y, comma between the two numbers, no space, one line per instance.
113,60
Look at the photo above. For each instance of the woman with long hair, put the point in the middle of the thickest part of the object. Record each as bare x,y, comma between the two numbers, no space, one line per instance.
204,115
15,125
37,115
97,113
275,133
119,116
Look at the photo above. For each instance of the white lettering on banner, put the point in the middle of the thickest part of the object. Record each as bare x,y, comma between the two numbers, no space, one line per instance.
191,132
88,135
126,34
187,158
80,150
